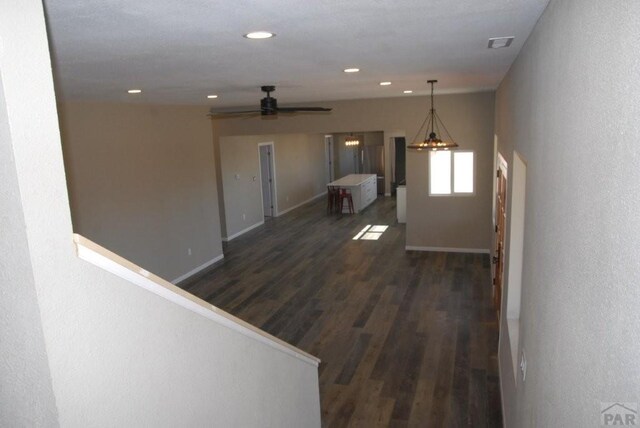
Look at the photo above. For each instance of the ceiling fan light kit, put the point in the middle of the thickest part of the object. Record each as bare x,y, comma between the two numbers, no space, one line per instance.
268,105
431,140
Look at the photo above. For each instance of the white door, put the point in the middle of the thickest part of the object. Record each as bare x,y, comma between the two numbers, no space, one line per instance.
266,177
328,155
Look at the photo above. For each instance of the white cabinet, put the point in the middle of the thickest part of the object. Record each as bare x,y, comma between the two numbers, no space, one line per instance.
401,203
369,192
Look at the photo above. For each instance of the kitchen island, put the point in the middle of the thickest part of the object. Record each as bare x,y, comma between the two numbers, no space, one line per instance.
363,189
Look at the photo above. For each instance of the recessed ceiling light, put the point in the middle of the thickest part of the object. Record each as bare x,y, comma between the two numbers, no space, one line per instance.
351,70
259,35
407,92
134,91
212,96
385,83
500,42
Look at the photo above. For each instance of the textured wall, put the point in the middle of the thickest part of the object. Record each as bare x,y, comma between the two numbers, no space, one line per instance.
26,394
570,106
118,355
142,183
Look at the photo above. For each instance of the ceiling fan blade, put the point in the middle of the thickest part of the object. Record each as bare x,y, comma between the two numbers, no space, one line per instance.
232,113
245,116
268,108
215,113
294,109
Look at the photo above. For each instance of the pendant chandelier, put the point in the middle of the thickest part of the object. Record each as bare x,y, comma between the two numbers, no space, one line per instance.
351,140
433,123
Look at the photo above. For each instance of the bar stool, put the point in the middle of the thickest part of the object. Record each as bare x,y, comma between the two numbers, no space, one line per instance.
333,194
346,194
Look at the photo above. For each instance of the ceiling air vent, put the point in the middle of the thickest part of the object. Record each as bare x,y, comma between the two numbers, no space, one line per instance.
500,42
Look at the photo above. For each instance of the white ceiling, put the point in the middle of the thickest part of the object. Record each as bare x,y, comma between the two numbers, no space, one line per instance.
181,51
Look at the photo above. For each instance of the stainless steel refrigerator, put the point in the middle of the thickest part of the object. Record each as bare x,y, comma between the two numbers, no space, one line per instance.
372,162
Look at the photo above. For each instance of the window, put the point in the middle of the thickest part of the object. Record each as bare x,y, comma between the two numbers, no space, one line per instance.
450,173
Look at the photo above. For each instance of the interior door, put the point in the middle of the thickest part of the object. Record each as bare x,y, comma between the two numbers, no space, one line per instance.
400,163
266,178
498,258
328,154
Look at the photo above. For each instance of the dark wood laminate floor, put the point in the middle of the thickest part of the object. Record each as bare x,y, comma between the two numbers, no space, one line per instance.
405,338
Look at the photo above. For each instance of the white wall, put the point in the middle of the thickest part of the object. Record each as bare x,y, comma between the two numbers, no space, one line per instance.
570,105
117,355
26,393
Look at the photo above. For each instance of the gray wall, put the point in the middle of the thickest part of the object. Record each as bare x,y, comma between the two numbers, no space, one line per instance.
459,222
344,163
299,174
345,158
570,106
117,355
142,182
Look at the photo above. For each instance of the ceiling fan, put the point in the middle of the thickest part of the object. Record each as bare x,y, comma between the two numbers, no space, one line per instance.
268,107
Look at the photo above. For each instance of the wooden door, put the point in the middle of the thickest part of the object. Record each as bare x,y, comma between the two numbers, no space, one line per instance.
498,258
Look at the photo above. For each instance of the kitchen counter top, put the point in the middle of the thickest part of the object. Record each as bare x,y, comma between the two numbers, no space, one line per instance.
351,180
362,188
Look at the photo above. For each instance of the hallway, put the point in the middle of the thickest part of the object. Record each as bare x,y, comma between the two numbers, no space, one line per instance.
405,338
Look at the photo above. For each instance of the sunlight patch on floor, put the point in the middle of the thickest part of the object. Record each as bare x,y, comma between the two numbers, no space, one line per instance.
371,233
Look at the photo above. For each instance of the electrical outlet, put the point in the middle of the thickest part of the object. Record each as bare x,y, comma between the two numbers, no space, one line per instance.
244,216
523,366
287,199
188,251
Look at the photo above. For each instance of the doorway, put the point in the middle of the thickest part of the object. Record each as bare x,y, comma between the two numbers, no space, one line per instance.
328,156
399,166
501,219
267,179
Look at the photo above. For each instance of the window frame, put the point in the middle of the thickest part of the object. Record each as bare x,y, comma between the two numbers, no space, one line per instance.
453,193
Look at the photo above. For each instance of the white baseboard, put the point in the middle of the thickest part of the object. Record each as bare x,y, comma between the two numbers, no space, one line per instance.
504,420
313,198
448,249
198,269
242,232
